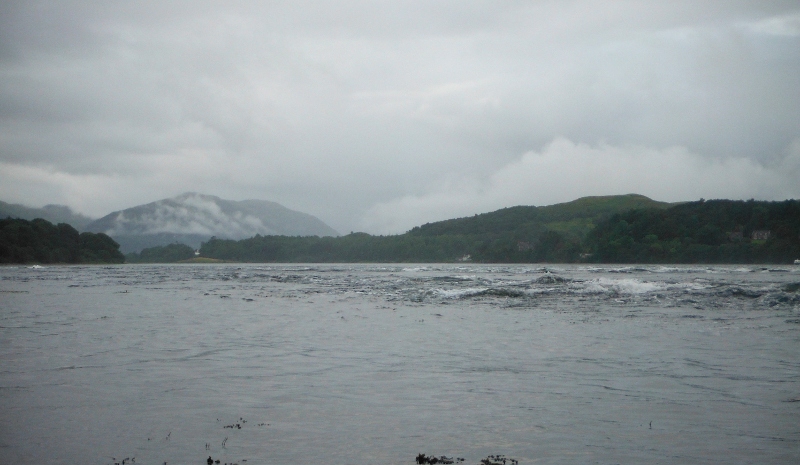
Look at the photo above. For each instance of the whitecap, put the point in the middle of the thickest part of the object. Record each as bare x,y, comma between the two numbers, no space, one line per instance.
416,269
621,286
459,293
666,269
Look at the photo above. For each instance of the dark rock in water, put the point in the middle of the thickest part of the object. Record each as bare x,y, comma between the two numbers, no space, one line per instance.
210,461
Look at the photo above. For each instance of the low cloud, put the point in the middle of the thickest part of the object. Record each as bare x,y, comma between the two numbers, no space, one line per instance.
189,214
564,170
346,109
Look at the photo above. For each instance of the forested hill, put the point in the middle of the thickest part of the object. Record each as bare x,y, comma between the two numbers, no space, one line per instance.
40,241
613,229
575,218
714,231
587,230
518,234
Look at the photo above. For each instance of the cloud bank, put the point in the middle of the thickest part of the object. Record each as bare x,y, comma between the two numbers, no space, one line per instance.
349,109
188,214
563,171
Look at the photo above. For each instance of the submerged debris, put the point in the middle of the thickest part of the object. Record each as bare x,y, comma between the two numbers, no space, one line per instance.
499,460
422,458
490,460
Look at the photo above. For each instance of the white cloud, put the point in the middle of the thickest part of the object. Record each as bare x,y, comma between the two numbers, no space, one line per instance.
784,25
90,194
338,108
564,171
189,214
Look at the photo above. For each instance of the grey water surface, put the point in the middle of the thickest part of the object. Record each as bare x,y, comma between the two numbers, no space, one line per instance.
373,364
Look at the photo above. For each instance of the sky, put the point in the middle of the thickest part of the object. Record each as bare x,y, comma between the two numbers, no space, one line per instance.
378,116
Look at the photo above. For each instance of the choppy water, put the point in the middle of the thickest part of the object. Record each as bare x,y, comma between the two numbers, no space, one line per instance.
373,364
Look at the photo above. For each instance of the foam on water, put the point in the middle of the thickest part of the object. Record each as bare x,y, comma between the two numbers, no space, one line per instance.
622,286
459,293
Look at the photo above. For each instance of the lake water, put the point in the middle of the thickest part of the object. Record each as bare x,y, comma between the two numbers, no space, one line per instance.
374,364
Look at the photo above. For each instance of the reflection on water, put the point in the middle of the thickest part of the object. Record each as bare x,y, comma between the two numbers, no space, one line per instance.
351,364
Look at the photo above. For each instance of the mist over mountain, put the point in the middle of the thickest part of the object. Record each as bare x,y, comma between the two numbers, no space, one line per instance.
52,213
192,218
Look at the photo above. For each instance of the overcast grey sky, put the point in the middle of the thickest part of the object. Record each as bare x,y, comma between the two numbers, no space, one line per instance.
382,115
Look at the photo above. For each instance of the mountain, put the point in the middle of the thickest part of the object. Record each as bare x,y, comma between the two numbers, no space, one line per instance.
193,218
52,213
522,234
615,229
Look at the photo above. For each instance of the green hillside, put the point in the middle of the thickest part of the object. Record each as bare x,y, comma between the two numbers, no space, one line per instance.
576,218
615,229
40,241
521,234
714,231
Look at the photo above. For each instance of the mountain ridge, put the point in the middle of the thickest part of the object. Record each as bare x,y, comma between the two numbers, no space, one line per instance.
53,213
609,231
192,218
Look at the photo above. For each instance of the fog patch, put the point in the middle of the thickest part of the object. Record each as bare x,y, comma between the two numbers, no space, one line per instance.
187,214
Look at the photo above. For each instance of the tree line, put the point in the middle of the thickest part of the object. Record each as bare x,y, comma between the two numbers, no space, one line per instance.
40,241
715,231
590,230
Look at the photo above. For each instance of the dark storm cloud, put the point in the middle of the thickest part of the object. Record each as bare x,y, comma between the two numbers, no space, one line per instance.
383,115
